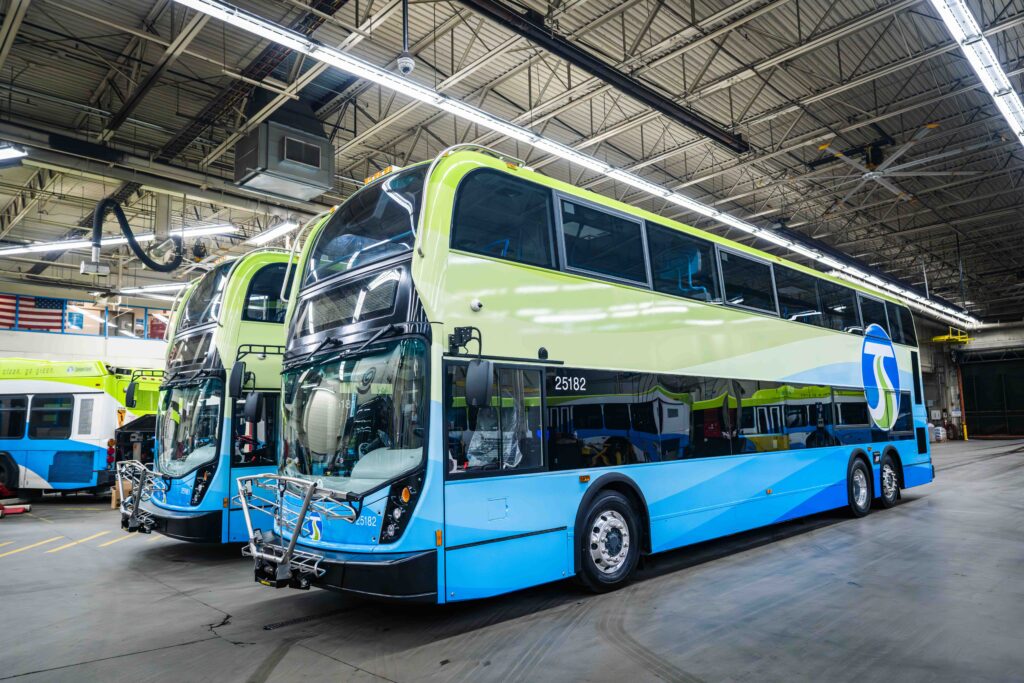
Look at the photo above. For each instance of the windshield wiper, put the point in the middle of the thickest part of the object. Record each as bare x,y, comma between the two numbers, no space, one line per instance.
328,341
377,335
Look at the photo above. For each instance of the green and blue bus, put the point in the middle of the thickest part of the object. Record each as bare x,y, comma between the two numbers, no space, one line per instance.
217,412
493,380
57,422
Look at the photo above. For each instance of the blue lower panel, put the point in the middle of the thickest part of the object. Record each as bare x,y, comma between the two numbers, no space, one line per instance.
71,467
478,571
915,475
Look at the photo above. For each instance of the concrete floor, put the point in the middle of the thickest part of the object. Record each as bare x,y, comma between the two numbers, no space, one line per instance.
931,590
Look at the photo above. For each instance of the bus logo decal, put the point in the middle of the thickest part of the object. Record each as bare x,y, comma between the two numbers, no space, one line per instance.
316,526
881,376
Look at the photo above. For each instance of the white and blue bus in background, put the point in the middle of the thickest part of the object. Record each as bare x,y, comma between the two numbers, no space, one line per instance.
57,423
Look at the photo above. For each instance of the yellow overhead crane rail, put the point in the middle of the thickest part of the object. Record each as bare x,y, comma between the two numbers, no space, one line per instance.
954,336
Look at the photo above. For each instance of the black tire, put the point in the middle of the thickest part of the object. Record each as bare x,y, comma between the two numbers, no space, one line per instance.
859,489
890,482
609,514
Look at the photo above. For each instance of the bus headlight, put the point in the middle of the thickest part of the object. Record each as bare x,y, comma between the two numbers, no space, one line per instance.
203,478
402,499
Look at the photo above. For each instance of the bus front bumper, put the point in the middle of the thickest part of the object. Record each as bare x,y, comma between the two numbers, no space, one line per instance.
408,577
197,527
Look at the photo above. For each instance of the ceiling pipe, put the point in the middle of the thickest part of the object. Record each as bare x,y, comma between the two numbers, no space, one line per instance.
531,27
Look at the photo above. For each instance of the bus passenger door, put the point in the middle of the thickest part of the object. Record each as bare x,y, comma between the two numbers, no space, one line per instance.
504,529
253,450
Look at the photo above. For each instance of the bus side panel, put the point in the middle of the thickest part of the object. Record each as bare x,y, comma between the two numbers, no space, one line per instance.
61,464
696,500
508,532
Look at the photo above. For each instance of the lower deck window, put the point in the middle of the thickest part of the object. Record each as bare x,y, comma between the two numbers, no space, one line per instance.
50,417
13,410
505,436
603,418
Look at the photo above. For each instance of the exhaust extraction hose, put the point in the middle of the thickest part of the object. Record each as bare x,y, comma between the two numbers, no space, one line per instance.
110,204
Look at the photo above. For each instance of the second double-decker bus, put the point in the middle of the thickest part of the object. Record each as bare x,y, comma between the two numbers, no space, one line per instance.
57,423
494,380
225,349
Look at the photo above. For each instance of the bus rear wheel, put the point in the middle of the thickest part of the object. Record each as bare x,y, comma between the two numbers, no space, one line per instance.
609,544
890,482
858,488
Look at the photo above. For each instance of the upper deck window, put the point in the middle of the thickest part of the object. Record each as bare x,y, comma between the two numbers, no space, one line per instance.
263,302
839,305
603,243
682,264
503,216
872,312
203,304
798,296
909,336
377,222
747,282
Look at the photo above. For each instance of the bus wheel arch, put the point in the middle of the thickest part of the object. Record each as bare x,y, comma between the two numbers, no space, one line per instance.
856,502
627,487
8,471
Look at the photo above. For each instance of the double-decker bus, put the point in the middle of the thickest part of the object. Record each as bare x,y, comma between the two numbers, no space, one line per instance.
217,411
493,380
57,422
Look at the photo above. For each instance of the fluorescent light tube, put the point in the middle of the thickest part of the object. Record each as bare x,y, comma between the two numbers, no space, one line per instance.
8,152
163,287
370,72
279,230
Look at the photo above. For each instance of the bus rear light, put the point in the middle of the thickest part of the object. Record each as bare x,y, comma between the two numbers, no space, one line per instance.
110,458
110,454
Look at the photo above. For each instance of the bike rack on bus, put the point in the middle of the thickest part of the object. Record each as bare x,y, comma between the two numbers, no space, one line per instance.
266,492
144,483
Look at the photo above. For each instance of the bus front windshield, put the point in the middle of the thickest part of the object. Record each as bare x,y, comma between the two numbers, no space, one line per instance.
377,222
189,426
355,423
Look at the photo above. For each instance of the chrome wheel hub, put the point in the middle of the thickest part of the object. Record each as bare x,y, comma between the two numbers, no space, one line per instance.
860,488
609,541
890,484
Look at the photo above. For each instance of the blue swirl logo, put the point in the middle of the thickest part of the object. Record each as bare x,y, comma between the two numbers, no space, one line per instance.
314,526
881,376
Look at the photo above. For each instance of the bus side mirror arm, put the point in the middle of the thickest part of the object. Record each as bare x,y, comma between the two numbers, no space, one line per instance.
236,380
129,395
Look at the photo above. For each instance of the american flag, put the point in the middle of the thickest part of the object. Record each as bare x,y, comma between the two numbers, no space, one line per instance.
34,312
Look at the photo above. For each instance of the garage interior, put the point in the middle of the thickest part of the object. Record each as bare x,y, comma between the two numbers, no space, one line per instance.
858,132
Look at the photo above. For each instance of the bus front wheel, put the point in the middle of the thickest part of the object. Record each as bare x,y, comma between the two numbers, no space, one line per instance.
858,487
8,472
609,544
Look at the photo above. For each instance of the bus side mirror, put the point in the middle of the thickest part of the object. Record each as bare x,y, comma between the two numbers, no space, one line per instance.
236,380
254,406
129,395
479,381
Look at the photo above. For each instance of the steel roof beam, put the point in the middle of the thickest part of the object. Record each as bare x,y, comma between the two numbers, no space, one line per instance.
16,10
187,34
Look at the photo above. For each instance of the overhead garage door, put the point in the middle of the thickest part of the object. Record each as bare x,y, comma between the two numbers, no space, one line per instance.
994,397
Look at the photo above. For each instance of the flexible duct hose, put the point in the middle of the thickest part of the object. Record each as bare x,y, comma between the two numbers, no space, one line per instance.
110,204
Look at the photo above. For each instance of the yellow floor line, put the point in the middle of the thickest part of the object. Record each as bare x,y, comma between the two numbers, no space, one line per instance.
6,543
68,545
155,538
125,537
41,519
29,547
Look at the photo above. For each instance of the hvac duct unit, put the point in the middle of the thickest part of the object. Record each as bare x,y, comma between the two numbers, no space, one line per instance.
287,154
